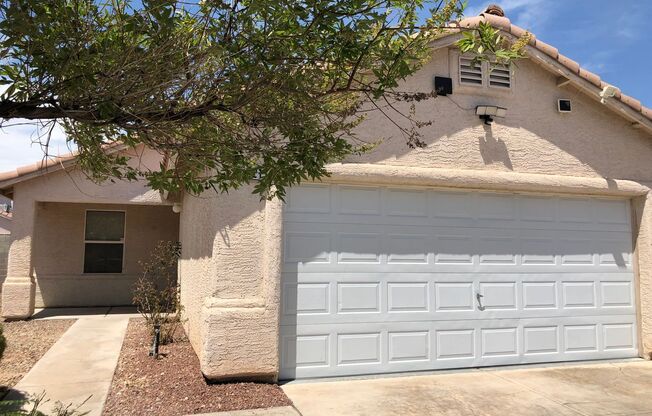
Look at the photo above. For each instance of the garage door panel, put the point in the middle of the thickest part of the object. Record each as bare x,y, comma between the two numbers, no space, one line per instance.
370,205
362,201
378,297
391,347
385,279
445,250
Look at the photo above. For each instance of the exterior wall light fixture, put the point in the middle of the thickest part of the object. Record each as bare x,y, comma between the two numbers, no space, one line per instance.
488,112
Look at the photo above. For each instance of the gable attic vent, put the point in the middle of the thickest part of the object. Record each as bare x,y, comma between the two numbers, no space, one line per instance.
500,75
470,73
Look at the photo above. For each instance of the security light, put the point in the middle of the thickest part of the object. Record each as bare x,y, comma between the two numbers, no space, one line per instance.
607,92
488,112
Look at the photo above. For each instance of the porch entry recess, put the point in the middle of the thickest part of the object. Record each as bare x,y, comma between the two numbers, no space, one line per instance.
380,279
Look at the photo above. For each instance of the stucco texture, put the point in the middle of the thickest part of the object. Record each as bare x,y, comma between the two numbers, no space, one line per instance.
223,286
232,242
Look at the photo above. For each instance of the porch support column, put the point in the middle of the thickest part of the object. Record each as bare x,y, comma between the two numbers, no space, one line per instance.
18,290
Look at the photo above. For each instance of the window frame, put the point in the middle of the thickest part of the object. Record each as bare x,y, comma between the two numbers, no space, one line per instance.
122,241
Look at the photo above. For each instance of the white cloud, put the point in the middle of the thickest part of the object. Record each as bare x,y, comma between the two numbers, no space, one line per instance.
19,144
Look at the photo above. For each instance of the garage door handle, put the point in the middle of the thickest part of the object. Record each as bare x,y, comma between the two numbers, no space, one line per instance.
479,297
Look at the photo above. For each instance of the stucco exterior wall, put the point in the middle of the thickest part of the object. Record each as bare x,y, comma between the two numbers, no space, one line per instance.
534,137
58,253
220,239
591,151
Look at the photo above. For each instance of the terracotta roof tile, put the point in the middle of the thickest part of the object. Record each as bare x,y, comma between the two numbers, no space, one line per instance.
42,165
549,50
470,22
632,102
53,163
519,31
497,21
590,76
647,112
569,63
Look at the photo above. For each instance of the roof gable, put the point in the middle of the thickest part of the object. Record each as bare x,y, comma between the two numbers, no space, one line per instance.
568,70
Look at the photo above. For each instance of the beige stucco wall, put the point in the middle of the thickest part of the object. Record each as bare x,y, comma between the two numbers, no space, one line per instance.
534,149
222,257
58,253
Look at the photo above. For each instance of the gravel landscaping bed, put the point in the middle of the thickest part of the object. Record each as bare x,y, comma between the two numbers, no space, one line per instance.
27,341
174,385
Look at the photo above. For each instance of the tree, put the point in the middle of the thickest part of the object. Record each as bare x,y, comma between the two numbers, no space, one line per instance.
227,91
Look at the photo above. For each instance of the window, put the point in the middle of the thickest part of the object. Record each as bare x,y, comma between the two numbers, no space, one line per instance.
104,241
470,72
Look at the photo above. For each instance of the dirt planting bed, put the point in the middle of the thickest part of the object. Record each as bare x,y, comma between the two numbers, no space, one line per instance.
174,385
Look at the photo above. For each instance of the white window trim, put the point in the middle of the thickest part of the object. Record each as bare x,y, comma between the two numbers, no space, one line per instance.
122,241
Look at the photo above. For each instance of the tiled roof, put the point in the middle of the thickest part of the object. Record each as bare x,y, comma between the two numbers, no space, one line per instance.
48,164
504,24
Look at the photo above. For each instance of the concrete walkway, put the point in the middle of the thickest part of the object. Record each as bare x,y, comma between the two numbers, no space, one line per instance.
606,389
80,364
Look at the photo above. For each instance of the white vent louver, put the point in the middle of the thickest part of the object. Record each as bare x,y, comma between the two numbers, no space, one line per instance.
470,72
500,75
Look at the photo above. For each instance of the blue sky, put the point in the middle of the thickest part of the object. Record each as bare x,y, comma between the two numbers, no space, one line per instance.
610,38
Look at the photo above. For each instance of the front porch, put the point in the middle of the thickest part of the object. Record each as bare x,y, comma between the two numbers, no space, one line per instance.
81,254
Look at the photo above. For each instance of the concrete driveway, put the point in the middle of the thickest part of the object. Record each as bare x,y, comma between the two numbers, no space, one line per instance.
616,388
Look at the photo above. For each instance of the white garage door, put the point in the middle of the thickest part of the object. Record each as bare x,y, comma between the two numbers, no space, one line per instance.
379,280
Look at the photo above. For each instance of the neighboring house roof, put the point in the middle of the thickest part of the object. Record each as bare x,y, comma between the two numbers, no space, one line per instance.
644,114
572,72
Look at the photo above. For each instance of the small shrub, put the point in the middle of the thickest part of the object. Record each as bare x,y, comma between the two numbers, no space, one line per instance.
156,293
3,342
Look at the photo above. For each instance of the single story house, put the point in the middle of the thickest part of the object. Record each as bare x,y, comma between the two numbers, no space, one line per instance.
525,240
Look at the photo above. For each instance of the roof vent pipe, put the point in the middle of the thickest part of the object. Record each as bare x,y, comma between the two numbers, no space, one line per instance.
494,9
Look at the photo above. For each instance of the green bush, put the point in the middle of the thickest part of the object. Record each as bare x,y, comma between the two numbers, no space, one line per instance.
3,342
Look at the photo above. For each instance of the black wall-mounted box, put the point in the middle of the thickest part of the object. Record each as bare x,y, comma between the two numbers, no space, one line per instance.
443,85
